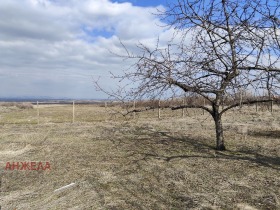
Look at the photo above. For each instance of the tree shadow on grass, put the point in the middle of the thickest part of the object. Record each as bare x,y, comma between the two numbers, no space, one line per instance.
204,150
271,134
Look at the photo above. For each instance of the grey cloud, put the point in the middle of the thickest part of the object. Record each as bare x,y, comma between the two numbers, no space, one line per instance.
44,48
22,21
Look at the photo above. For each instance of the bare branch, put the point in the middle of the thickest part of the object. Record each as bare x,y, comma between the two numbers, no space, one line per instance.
248,102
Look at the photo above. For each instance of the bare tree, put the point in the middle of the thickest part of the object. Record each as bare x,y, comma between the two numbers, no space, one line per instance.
225,47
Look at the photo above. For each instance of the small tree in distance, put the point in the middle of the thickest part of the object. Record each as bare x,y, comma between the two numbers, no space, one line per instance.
225,47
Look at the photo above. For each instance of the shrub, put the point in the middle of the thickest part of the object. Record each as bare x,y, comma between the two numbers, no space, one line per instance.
24,105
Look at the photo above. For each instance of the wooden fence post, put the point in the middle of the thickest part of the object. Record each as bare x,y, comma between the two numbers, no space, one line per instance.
203,105
38,113
73,120
134,107
158,109
241,98
183,110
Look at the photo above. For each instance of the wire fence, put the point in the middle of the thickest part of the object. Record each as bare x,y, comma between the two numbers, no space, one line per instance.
72,112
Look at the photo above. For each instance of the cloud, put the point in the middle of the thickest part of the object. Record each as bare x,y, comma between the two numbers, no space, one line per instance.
49,44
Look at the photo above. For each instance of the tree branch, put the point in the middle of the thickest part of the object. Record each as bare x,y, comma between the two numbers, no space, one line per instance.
248,102
192,106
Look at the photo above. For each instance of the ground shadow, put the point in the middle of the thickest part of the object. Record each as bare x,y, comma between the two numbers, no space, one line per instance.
271,134
205,150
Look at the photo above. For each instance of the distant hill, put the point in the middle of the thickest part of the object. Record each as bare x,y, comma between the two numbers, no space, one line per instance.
48,100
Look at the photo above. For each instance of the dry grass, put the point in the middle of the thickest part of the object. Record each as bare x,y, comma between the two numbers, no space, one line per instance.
23,105
144,163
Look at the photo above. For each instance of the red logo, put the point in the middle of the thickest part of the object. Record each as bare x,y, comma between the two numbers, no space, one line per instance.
34,166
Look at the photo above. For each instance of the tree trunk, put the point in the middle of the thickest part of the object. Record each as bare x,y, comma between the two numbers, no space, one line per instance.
219,130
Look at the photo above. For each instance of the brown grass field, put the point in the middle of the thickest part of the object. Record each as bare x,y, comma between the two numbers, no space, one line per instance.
121,163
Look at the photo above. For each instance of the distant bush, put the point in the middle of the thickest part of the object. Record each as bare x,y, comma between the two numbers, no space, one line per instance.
24,105
7,104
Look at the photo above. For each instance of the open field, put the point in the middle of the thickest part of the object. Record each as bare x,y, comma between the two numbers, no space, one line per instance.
143,163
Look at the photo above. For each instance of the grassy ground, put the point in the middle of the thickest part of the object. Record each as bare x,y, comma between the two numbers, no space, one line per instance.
142,163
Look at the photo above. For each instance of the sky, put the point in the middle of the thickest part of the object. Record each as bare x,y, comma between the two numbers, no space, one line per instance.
57,48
